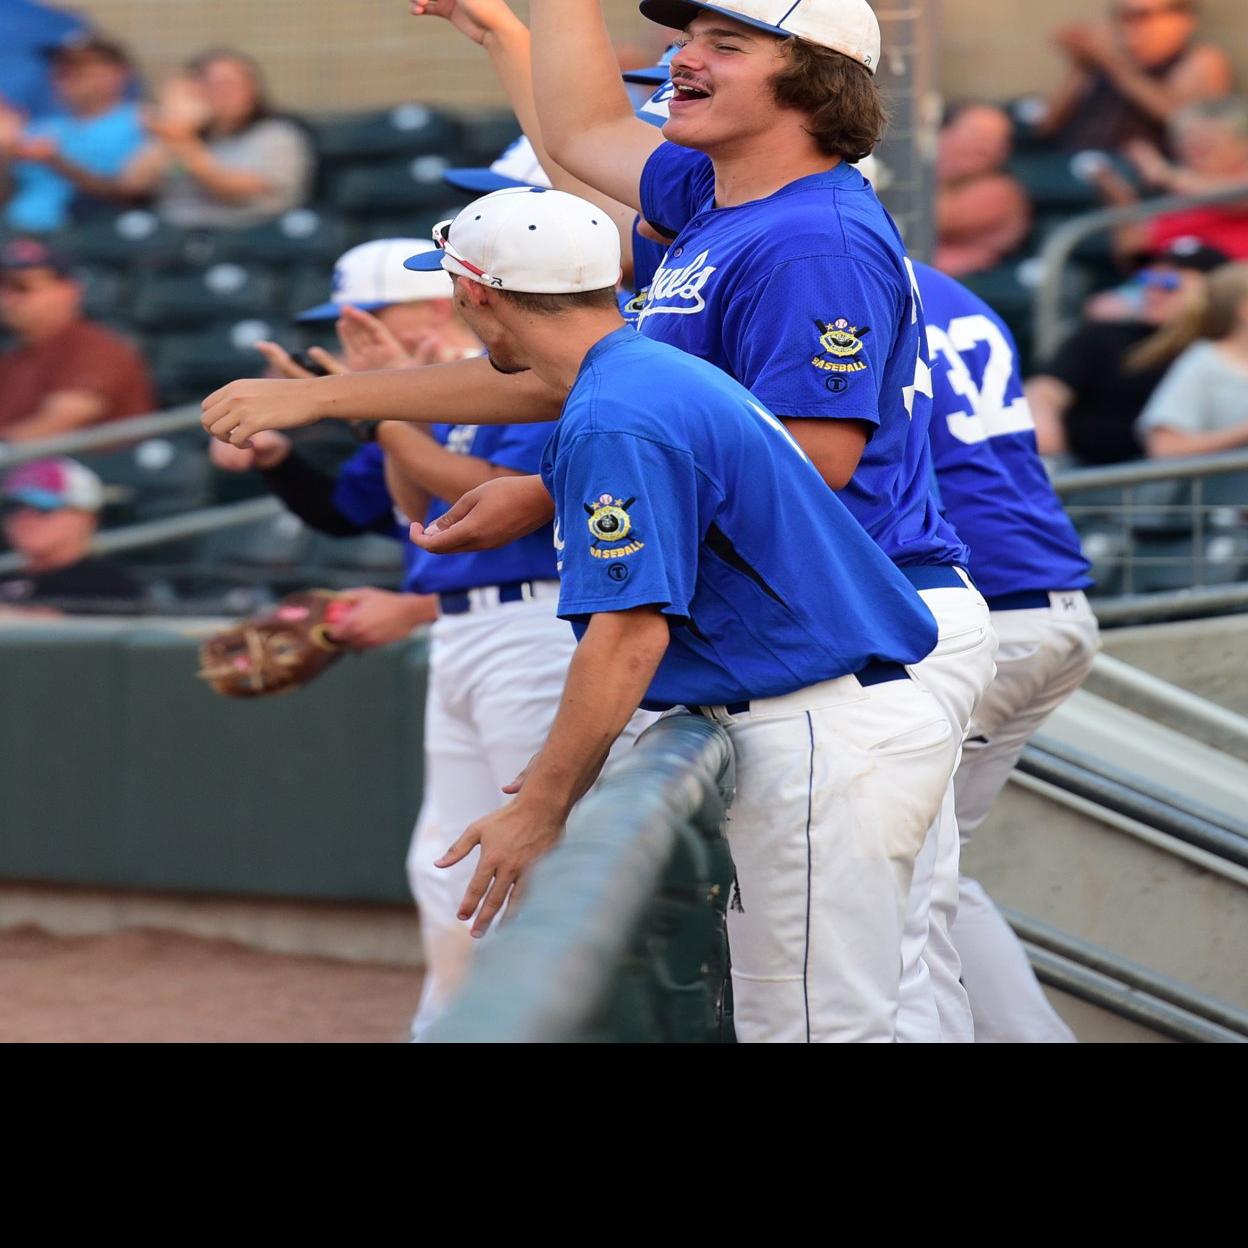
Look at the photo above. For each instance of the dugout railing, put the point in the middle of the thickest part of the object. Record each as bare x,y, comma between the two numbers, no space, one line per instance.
1166,537
1059,252
621,936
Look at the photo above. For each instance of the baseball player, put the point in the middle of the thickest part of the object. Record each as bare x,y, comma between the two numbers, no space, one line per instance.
498,653
784,270
1026,558
659,469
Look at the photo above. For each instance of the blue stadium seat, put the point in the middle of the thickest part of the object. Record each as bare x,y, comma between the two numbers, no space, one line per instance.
365,556
392,188
190,364
408,130
228,291
277,545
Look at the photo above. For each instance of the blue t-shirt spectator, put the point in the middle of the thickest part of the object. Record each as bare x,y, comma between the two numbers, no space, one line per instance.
44,200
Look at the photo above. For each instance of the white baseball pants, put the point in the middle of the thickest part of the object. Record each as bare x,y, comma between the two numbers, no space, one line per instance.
837,785
1044,657
934,1004
496,676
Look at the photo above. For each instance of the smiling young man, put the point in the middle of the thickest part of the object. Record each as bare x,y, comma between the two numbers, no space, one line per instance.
659,470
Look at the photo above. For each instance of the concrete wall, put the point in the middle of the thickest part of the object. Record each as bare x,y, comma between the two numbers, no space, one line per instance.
340,54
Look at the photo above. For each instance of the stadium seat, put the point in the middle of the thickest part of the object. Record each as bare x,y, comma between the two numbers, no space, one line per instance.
1227,490
365,556
1103,547
1052,183
408,130
390,188
486,137
154,478
1165,564
134,239
103,293
302,236
414,224
190,364
222,292
278,545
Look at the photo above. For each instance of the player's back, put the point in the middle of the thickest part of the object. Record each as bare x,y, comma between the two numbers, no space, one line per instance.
992,482
774,583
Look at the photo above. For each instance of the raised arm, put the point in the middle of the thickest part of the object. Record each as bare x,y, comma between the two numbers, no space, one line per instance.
493,25
467,392
586,117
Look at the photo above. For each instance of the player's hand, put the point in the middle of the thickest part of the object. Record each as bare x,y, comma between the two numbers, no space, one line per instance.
267,450
474,18
377,617
284,365
237,412
511,840
492,514
367,345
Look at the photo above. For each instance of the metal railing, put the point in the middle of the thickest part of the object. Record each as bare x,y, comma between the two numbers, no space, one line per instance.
1185,511
102,437
621,933
1055,255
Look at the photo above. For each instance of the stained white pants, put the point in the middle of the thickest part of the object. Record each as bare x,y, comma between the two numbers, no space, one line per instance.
836,788
1044,656
934,1004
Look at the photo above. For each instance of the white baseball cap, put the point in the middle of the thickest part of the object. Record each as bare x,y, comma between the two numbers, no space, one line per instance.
530,240
846,26
372,276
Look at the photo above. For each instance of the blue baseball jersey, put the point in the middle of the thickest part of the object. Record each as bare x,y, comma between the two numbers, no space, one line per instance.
992,482
807,298
361,494
675,488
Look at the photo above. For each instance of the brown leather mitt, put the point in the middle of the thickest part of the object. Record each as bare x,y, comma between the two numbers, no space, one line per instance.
272,653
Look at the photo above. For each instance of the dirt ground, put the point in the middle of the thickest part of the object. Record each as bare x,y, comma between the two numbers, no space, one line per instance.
145,985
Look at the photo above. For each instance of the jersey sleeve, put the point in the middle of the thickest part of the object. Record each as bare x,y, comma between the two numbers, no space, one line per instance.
520,447
629,523
361,493
675,183
813,338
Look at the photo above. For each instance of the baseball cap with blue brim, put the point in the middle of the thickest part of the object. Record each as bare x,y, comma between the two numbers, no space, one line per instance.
529,240
373,276
846,26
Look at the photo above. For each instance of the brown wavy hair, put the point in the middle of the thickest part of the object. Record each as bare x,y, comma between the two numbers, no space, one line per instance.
845,106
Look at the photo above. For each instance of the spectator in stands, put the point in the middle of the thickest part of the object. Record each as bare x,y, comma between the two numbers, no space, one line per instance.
1086,401
51,515
982,212
31,31
1129,76
219,157
1201,405
1211,139
99,130
65,372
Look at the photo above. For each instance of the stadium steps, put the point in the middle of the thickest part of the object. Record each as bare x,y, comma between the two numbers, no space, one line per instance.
1129,838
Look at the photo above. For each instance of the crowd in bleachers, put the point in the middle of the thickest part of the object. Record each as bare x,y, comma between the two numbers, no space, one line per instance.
158,238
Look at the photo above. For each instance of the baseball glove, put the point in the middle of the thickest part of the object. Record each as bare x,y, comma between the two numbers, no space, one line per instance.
272,653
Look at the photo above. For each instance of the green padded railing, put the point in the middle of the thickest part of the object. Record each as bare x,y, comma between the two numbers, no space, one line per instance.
621,934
